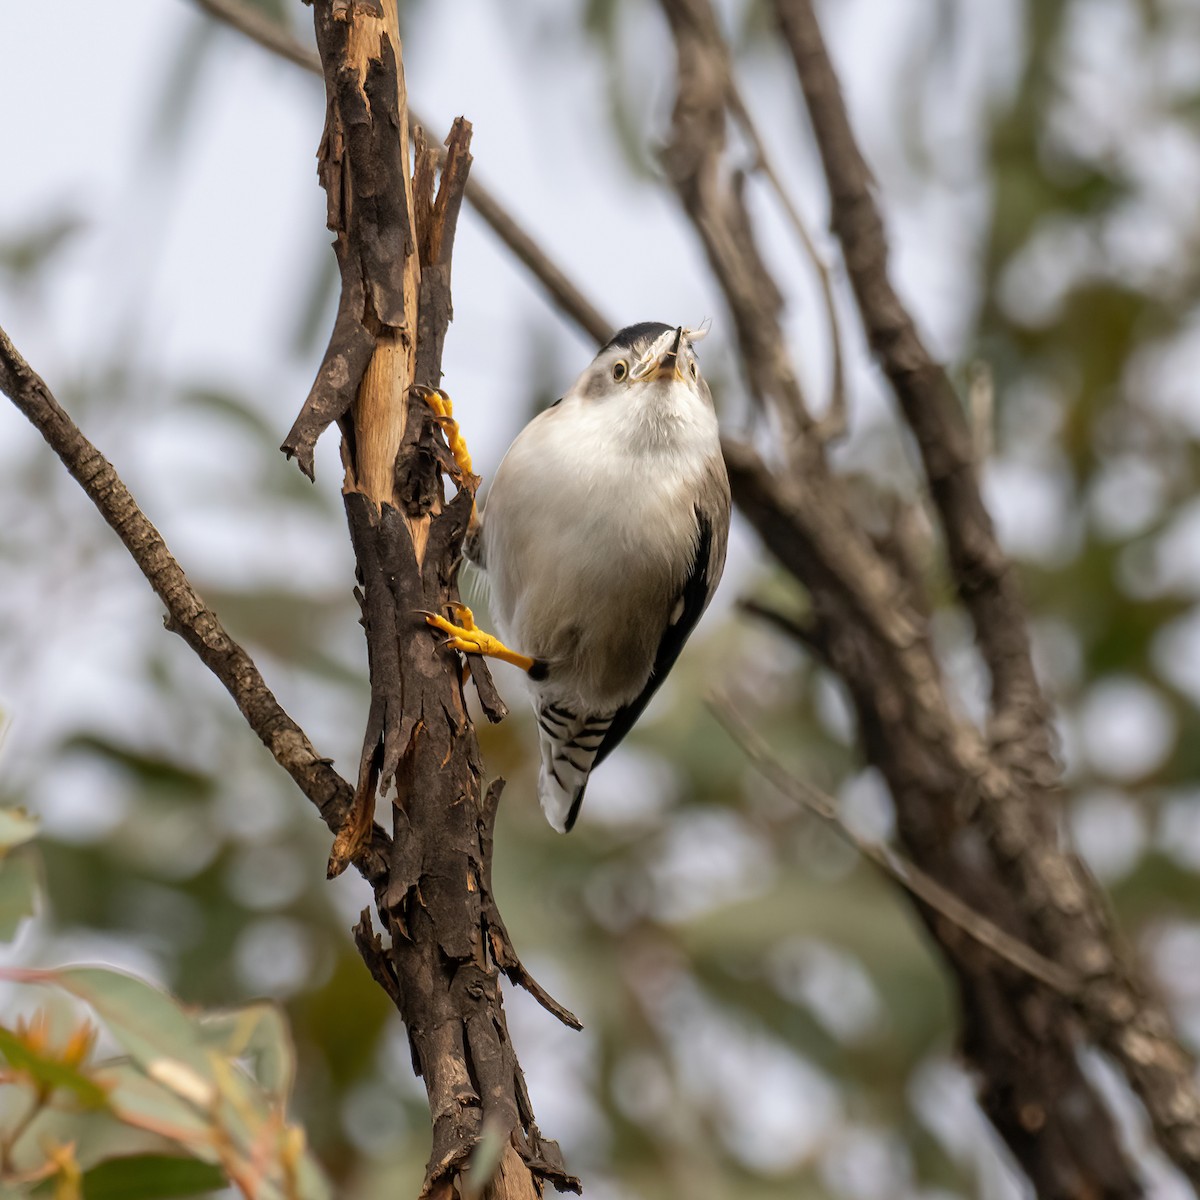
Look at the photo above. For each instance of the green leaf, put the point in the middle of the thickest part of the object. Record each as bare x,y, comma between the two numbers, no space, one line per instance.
145,1021
20,881
150,770
16,828
147,1105
257,1035
34,248
150,1177
49,1071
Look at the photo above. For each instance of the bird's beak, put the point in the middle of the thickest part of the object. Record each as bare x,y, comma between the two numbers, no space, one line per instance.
667,368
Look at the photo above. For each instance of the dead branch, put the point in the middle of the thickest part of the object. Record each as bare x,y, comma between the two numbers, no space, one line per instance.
867,627
188,615
927,398
448,948
833,422
560,289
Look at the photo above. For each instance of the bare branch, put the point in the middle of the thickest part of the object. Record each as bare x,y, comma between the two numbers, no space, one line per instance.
257,26
795,628
832,424
442,968
894,865
953,788
1014,805
563,293
501,944
981,404
927,398
187,613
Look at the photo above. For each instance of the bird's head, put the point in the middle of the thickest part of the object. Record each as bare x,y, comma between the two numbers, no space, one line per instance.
644,361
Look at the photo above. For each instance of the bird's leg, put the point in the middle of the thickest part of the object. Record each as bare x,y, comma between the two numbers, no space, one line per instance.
469,639
443,415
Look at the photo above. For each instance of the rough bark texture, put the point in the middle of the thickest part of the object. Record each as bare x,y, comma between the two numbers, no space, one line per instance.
446,947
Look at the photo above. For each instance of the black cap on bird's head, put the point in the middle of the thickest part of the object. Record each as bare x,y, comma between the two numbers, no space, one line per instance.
643,331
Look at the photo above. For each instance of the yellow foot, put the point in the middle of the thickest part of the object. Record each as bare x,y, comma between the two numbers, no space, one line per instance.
468,638
443,411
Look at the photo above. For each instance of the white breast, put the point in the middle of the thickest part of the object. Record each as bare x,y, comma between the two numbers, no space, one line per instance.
590,531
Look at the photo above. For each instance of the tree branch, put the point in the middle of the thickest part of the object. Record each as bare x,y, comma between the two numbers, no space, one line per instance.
188,615
1054,887
927,398
895,866
560,289
942,774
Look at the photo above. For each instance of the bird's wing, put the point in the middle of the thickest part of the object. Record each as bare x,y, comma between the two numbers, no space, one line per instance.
701,582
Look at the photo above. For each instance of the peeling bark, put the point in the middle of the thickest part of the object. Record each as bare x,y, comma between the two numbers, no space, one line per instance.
444,947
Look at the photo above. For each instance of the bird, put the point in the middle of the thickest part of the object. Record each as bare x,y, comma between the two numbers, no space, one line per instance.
602,541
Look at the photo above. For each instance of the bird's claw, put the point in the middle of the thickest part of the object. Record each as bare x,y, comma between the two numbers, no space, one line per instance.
468,638
443,417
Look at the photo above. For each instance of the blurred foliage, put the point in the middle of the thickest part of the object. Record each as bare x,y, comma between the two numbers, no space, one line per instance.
213,1085
763,1018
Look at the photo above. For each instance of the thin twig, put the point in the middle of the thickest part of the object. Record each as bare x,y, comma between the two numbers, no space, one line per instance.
563,293
981,406
187,613
713,196
794,627
833,423
257,26
897,868
14,1134
926,396
503,951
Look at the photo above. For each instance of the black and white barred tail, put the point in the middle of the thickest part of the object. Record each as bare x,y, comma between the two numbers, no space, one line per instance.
569,745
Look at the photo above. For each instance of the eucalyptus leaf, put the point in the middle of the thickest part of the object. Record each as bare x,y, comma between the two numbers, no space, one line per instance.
20,884
258,1035
150,1177
49,1071
16,828
147,1022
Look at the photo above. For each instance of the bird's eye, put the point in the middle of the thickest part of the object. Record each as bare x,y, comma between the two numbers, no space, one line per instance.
620,370
694,371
